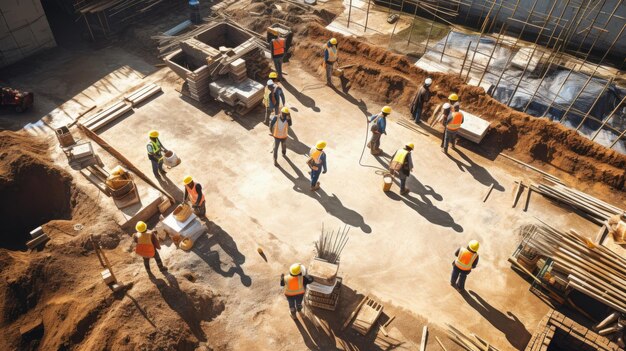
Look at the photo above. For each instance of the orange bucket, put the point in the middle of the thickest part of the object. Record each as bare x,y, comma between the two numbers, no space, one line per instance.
387,182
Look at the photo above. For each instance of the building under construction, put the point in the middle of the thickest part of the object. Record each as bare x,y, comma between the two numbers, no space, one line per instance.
148,131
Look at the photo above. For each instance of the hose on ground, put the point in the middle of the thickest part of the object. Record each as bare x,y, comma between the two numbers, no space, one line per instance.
380,171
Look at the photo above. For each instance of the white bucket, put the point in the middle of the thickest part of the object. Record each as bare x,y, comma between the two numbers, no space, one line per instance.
170,159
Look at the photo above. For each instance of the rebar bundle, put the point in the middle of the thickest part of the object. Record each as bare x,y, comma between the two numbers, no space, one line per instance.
331,243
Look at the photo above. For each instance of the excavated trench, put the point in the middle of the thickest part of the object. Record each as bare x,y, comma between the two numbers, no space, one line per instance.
32,195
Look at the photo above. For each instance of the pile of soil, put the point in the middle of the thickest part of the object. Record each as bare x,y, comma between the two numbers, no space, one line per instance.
390,78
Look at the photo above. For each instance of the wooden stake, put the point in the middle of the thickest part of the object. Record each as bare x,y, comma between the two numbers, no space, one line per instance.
389,321
488,192
424,335
516,192
441,344
530,189
356,310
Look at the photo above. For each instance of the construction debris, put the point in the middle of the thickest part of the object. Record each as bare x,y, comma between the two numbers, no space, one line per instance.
469,342
367,316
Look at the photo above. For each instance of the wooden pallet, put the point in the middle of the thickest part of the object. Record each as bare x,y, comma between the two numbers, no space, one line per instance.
367,316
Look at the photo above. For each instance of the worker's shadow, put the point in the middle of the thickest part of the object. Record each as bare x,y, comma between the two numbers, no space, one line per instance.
217,235
479,173
179,302
351,99
331,204
171,188
294,144
312,337
305,100
508,323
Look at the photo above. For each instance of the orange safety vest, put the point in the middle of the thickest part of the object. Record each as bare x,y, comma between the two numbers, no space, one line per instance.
193,194
145,247
316,155
332,53
457,120
278,45
294,285
281,129
465,260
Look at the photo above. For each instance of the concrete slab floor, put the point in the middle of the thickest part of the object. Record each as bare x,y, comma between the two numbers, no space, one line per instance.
400,248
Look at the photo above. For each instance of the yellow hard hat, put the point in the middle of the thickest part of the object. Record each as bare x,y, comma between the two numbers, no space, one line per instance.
333,41
295,269
153,134
453,97
188,179
320,145
141,227
386,109
273,75
473,245
411,146
285,110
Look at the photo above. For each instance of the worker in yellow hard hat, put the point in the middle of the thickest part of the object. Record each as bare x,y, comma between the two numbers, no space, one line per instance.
295,286
330,58
378,128
317,163
422,97
279,129
453,99
401,165
193,192
147,246
453,123
155,154
274,99
466,260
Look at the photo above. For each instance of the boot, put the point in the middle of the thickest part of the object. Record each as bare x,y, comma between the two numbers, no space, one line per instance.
404,192
163,269
377,152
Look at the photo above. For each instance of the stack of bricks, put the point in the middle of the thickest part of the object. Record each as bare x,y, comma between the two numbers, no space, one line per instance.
237,71
557,329
198,82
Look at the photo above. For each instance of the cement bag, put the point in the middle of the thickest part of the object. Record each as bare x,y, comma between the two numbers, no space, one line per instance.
118,178
182,212
170,159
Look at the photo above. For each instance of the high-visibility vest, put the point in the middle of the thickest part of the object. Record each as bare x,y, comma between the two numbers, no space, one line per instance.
316,155
332,53
281,128
465,260
400,156
193,194
156,149
266,96
457,120
278,46
294,285
144,247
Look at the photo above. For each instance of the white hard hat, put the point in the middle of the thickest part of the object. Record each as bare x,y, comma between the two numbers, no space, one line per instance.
446,106
428,81
270,82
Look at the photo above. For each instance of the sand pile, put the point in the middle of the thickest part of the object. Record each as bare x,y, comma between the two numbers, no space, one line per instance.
390,78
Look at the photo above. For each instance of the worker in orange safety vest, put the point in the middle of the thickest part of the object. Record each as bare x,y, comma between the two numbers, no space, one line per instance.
466,260
278,49
279,127
193,192
453,124
295,287
147,246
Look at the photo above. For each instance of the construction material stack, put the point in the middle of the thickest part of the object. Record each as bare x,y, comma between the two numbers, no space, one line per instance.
122,188
325,290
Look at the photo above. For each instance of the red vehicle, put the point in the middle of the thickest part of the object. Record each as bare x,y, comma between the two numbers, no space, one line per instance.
20,101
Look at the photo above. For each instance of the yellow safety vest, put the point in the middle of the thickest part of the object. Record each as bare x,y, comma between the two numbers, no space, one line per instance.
144,247
266,96
281,129
400,156
294,285
156,149
332,53
465,260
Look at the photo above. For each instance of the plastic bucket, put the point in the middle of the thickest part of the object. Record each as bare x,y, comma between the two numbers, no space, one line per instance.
387,182
170,159
182,212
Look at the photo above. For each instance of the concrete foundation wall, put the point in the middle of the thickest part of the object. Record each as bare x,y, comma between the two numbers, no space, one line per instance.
223,34
24,30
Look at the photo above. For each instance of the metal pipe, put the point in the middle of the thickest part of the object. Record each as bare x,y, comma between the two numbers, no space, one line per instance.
608,83
607,119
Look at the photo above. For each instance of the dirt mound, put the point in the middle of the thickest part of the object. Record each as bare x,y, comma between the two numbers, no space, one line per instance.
391,78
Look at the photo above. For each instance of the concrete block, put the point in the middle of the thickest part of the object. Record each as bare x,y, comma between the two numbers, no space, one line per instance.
473,128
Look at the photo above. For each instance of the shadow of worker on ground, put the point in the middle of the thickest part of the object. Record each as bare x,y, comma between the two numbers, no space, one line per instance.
508,323
479,173
217,235
332,204
304,99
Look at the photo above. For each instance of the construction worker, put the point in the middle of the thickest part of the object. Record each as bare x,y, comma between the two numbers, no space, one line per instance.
295,287
278,49
445,113
422,96
193,192
155,154
466,260
273,76
330,57
378,128
453,124
317,163
275,98
401,165
279,127
194,15
147,246
453,99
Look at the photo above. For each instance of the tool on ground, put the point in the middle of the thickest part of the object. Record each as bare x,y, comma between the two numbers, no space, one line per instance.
107,274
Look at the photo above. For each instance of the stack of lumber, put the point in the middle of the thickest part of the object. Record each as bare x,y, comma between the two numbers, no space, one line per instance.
106,116
470,342
591,269
198,82
594,209
238,72
142,94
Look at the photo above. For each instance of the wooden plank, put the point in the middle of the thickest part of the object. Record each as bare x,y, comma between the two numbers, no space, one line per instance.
516,192
488,192
424,336
531,167
111,118
356,310
389,321
441,344
530,189
367,317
